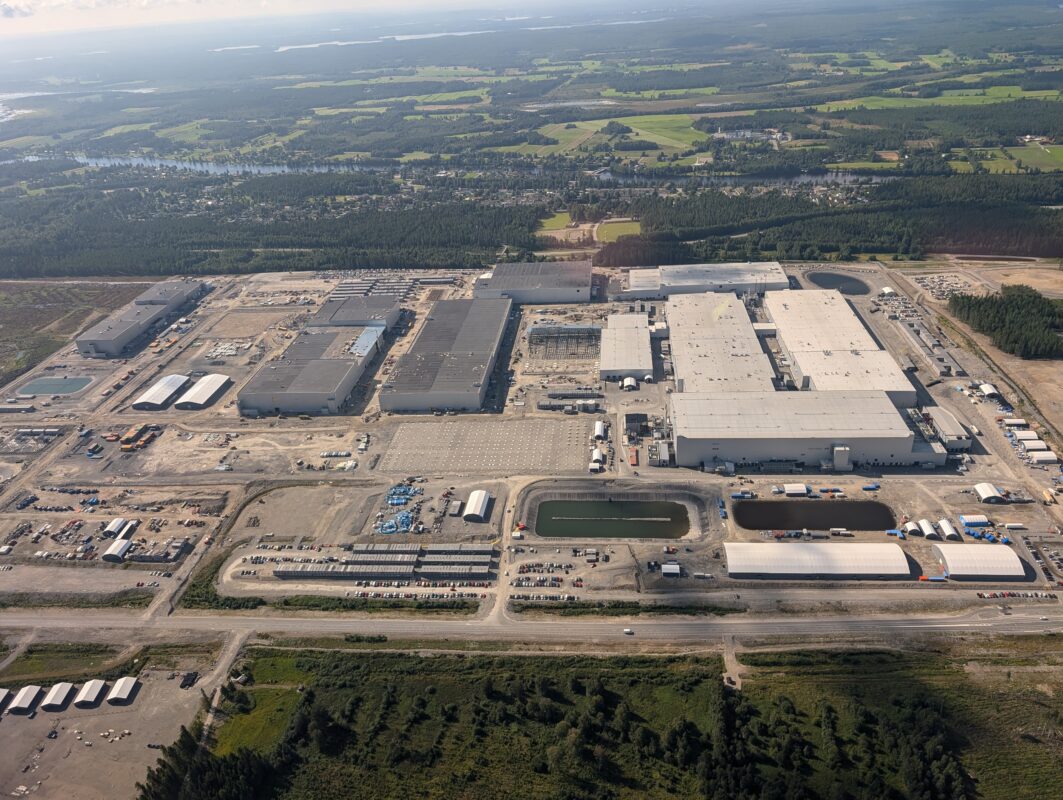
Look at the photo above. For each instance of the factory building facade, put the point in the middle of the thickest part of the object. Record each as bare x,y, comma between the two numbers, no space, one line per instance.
659,282
358,311
625,348
538,283
315,375
449,365
110,337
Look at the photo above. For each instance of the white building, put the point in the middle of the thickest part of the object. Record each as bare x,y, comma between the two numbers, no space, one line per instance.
953,435
25,700
161,393
975,562
123,691
90,694
57,696
207,389
814,429
807,560
625,348
666,281
478,508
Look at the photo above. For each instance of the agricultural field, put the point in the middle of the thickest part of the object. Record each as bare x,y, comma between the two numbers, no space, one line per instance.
950,97
611,231
1047,158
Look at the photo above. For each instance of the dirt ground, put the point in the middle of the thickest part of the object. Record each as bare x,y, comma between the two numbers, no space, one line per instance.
1048,281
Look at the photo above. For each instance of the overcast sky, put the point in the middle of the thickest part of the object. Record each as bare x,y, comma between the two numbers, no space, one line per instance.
23,17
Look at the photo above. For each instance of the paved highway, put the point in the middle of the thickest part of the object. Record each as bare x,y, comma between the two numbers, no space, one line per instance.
681,630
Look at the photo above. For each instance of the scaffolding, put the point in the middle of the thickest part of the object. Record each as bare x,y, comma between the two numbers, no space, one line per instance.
547,342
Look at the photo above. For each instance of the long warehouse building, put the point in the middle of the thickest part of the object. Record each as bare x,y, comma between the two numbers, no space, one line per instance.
161,393
539,283
737,278
112,336
315,375
449,365
207,390
980,562
808,560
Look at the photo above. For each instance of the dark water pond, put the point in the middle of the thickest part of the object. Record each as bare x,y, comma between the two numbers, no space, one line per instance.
617,519
816,515
846,284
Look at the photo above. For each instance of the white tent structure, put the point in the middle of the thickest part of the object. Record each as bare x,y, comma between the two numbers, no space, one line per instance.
25,700
57,696
988,493
800,560
91,694
974,562
123,691
478,507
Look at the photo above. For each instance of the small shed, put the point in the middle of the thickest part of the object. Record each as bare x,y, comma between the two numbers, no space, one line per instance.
988,390
57,696
1014,422
988,493
597,456
478,508
25,700
91,693
123,691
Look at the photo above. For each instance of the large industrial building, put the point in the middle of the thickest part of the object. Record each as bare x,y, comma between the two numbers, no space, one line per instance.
111,337
375,310
315,375
449,365
739,278
538,283
625,348
810,560
732,369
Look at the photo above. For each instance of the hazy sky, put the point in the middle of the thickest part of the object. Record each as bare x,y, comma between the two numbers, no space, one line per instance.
23,17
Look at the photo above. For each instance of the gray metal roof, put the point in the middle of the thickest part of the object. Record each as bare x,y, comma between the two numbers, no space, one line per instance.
169,292
454,349
542,275
357,310
317,361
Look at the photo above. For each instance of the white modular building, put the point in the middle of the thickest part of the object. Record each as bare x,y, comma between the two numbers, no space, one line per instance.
25,700
980,562
315,375
837,429
57,697
449,365
538,283
123,691
735,277
159,395
207,390
625,348
808,560
478,508
90,694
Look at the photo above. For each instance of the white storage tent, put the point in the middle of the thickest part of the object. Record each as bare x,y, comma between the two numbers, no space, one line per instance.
948,530
988,390
91,693
988,493
123,691
57,696
979,562
206,390
1026,436
798,560
115,526
116,552
161,392
1034,446
1015,422
25,700
1044,457
478,506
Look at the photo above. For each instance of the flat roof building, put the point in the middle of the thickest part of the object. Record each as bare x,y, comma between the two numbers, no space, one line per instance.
975,562
835,429
738,278
315,375
807,560
828,347
538,283
207,389
450,363
159,395
110,337
950,430
375,310
625,348
715,346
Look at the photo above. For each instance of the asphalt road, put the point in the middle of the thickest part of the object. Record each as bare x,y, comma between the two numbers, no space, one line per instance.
686,630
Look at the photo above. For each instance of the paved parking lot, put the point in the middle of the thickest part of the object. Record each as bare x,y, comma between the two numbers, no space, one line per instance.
486,446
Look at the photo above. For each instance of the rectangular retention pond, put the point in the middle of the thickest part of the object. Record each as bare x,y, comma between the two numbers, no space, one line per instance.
612,519
61,385
816,515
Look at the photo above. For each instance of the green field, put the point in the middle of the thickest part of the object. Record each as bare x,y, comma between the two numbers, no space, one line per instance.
659,94
556,222
260,729
611,231
39,662
1048,158
952,97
